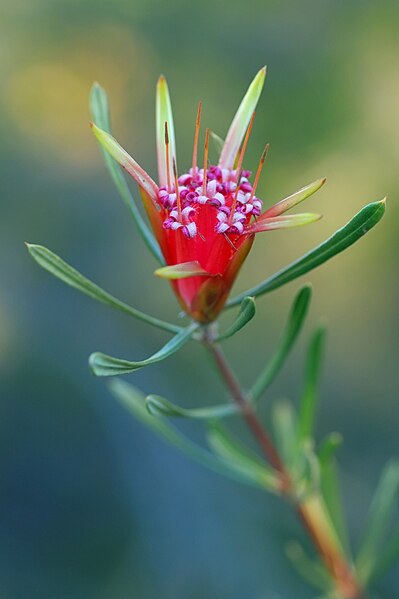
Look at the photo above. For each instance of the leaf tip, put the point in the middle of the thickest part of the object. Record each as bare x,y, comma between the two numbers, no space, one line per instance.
162,85
306,291
151,405
322,181
263,71
31,247
96,87
93,362
259,79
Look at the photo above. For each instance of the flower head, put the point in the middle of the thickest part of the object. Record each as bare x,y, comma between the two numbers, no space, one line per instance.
205,219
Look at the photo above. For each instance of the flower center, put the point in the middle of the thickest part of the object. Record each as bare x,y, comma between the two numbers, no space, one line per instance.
233,203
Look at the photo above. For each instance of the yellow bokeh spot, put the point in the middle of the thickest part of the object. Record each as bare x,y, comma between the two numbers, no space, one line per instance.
48,100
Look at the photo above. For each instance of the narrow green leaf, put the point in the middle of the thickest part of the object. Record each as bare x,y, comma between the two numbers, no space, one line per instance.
387,558
134,400
312,571
233,453
331,491
103,365
306,467
358,226
100,113
217,141
379,518
159,406
294,325
307,407
182,271
246,313
284,428
329,447
60,269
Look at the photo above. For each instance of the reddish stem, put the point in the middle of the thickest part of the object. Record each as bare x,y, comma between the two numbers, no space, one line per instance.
334,561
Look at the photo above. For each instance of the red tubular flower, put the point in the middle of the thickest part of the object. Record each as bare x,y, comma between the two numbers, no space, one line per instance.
205,220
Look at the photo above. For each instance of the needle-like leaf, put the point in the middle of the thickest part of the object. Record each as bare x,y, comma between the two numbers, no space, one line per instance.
233,453
284,426
294,325
329,447
246,313
331,491
157,406
387,558
100,113
307,407
134,400
358,226
104,365
69,275
217,141
312,571
379,518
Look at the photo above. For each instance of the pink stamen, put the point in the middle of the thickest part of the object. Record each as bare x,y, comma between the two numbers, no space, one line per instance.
177,189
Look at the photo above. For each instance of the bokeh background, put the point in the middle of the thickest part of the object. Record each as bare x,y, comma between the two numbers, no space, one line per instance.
92,506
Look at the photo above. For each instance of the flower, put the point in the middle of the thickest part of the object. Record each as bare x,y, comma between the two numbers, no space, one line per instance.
205,220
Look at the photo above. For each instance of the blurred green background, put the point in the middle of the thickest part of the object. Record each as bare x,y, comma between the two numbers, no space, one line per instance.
92,506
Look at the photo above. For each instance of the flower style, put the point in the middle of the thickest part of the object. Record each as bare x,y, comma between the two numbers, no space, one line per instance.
206,219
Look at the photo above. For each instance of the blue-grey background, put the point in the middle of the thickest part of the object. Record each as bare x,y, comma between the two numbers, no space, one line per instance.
91,505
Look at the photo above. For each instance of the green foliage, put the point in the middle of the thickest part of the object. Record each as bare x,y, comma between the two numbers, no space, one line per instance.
331,492
231,451
103,365
246,313
295,323
69,275
101,117
134,400
157,405
312,375
284,428
358,226
310,569
311,474
218,142
374,552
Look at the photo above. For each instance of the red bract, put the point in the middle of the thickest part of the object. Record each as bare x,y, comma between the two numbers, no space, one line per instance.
205,220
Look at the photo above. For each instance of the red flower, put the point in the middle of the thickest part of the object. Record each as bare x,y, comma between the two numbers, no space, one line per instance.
205,220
